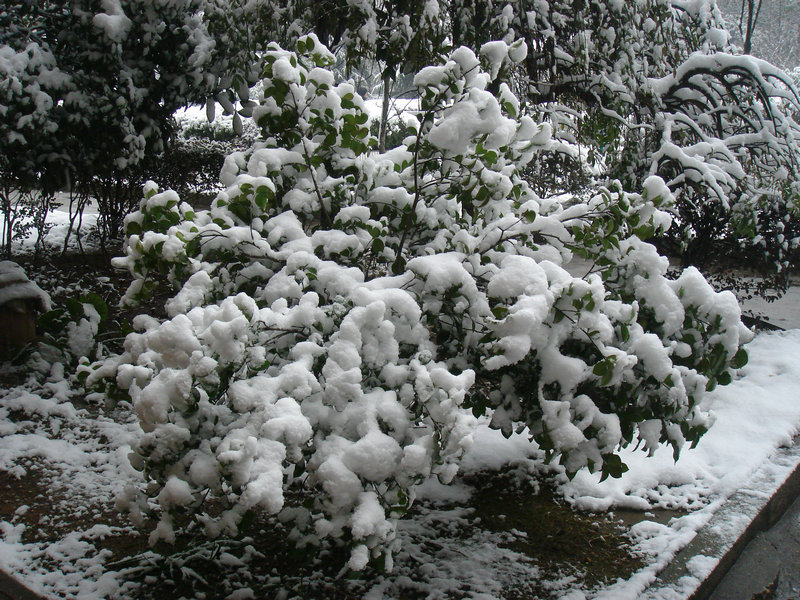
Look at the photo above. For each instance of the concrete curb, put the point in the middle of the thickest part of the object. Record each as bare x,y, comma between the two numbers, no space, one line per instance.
753,508
11,589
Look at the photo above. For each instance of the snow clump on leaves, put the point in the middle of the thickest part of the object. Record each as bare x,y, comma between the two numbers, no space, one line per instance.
341,316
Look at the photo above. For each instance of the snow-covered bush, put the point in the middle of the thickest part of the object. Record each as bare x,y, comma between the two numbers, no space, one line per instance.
657,87
68,335
342,316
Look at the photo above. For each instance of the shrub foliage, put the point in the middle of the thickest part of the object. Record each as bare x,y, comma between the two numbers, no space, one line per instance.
342,318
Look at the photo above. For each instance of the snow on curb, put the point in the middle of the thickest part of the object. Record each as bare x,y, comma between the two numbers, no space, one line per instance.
13,590
700,566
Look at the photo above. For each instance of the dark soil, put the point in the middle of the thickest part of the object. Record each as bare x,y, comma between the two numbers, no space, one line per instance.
593,548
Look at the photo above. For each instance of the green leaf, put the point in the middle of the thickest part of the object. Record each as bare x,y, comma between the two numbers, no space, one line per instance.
262,197
739,359
52,321
600,368
399,265
500,312
98,303
613,467
75,308
645,232
133,228
478,410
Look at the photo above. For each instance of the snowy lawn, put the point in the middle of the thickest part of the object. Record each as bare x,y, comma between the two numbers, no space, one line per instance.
57,228
64,460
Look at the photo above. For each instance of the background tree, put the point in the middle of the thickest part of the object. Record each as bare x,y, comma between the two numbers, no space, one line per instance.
88,88
401,36
751,9
777,35
655,87
631,90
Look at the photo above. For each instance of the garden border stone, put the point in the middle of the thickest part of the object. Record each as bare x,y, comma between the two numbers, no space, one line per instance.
756,506
11,589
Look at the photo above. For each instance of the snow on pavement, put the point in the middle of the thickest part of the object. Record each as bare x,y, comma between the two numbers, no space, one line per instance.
757,413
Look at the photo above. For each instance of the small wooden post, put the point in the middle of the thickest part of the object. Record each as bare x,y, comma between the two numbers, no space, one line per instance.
21,301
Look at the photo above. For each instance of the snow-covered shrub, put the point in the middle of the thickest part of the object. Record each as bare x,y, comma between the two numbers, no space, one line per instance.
655,87
341,316
69,334
191,167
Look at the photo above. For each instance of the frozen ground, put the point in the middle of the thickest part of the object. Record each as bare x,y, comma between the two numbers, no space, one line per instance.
51,438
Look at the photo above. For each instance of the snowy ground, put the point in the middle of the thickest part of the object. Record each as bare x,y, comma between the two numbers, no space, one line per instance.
63,460
58,226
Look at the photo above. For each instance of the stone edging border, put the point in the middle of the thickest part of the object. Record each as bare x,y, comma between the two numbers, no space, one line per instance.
755,507
12,589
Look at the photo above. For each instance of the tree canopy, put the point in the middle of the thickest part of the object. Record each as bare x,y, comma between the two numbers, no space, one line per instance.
632,89
92,86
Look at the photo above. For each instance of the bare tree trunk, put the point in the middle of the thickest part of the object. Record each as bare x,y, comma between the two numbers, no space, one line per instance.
5,201
746,28
77,204
387,95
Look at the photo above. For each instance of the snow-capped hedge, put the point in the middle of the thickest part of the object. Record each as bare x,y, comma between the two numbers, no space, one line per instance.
342,316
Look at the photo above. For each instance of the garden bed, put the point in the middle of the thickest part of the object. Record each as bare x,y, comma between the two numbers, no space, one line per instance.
508,527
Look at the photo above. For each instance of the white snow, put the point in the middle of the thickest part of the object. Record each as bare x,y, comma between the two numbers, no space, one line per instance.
57,228
756,414
113,22
15,285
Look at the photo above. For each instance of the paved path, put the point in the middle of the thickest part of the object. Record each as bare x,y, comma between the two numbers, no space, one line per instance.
773,555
